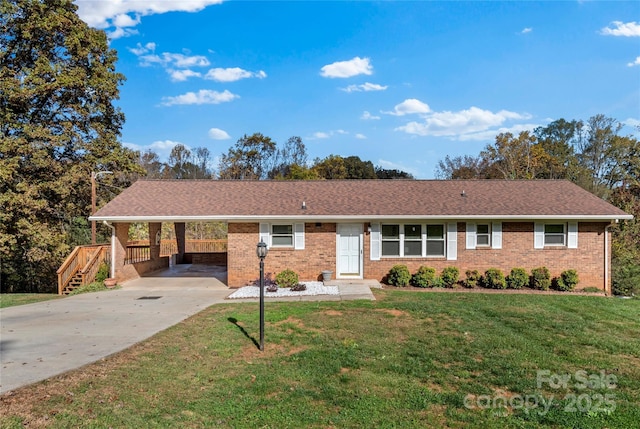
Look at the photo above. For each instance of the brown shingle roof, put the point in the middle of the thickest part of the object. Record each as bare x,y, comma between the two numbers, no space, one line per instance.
366,199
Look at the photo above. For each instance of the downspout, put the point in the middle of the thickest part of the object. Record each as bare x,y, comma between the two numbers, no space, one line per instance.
606,257
113,249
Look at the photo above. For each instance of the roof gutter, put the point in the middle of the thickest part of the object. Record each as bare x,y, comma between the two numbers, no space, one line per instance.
364,218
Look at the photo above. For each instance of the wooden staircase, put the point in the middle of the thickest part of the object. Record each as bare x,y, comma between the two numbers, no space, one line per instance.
75,282
81,266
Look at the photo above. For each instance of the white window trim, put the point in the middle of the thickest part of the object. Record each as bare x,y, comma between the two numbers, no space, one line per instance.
570,235
444,239
297,232
495,235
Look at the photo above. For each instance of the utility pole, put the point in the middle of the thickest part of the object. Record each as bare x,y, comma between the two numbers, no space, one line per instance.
94,175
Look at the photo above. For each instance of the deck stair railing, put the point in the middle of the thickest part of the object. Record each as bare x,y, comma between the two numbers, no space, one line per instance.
81,266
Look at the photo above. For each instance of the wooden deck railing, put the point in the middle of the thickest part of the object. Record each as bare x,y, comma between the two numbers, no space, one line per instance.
137,253
170,247
85,260
92,267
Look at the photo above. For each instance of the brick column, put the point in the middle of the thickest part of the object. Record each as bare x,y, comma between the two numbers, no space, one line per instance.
180,240
154,247
120,243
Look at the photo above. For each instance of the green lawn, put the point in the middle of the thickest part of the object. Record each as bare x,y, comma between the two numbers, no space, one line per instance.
409,359
11,299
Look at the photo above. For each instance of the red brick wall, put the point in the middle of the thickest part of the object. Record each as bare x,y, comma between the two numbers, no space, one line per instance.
517,251
243,265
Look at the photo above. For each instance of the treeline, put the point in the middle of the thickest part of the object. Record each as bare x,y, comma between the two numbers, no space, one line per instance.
258,157
591,154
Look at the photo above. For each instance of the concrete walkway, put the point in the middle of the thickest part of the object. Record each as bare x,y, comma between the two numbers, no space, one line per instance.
41,340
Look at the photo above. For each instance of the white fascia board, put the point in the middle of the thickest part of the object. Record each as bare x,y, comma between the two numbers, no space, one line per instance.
363,218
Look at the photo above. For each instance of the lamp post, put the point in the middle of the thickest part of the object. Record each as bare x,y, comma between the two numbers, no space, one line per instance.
261,251
94,175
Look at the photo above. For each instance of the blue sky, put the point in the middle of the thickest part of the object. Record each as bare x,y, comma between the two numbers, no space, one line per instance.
402,84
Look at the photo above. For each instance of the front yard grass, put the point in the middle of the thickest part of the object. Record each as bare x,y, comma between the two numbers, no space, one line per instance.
11,299
407,360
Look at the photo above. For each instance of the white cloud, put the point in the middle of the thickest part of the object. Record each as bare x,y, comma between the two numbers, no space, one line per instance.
204,96
124,20
326,134
462,125
121,32
632,122
232,74
368,116
634,63
141,50
119,14
342,69
218,134
628,29
182,75
408,107
366,87
168,59
491,134
161,147
361,136
526,30
321,135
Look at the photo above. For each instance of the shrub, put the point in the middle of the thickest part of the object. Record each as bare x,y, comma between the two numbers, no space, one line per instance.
423,277
399,275
450,276
287,278
472,280
625,278
567,280
103,272
91,287
299,287
540,278
271,288
517,279
438,282
494,279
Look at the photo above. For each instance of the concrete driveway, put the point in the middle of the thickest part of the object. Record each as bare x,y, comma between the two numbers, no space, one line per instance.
41,340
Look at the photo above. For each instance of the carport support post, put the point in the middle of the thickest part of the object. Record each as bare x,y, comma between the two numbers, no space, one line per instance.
180,229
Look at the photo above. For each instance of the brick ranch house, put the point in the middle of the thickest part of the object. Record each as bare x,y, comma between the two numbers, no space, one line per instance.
361,228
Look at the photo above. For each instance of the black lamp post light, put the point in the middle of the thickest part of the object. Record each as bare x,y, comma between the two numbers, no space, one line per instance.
261,251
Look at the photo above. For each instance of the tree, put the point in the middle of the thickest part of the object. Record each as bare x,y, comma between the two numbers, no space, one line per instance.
58,123
154,168
465,167
250,158
359,169
601,152
293,154
331,168
201,161
558,141
382,173
514,157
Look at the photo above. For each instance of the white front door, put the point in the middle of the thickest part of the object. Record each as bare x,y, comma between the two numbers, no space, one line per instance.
349,250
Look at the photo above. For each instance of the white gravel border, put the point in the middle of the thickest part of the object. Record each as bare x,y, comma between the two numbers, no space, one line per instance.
313,288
